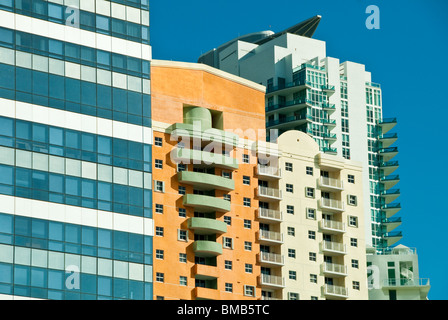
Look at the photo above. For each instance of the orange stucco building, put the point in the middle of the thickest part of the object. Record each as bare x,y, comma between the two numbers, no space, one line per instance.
204,195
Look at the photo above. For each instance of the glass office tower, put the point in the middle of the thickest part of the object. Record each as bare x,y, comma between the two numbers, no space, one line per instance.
75,150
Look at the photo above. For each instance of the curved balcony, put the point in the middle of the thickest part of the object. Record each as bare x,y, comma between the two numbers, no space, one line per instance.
390,195
205,181
387,124
391,209
206,203
207,226
389,181
199,157
190,131
207,248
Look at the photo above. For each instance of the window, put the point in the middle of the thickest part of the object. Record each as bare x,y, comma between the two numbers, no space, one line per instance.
182,235
309,171
312,256
291,231
181,167
311,235
246,158
311,213
159,164
227,174
309,192
352,200
289,188
182,281
288,166
229,287
227,243
228,220
247,245
247,224
183,257
249,291
293,296
182,190
246,180
355,264
158,142
159,231
351,178
353,242
356,285
227,197
292,275
159,186
291,253
314,298
159,254
248,268
182,212
159,208
313,278
246,202
290,209
353,221
228,265
160,277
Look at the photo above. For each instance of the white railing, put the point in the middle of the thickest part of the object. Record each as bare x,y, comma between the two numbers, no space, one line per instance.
271,258
333,204
406,282
336,290
269,192
334,246
332,183
271,236
334,225
334,268
270,214
269,170
272,280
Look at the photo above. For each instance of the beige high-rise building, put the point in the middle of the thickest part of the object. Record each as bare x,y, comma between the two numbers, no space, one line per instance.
320,248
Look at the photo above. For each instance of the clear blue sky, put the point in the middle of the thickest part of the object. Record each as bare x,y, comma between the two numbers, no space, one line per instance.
408,56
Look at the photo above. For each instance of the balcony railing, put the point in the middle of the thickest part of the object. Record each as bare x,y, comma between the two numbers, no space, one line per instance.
333,225
269,171
269,192
331,183
270,280
335,291
335,268
334,246
270,214
332,204
274,258
406,282
271,236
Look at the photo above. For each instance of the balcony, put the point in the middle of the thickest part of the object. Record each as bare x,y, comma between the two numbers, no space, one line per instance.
199,157
269,172
200,293
271,259
390,195
389,181
331,137
335,292
387,124
391,209
329,107
195,131
328,89
330,150
333,248
389,167
332,227
330,184
407,283
268,281
288,88
331,124
289,121
388,153
332,205
269,194
206,203
393,237
207,226
270,237
205,272
207,248
388,139
289,106
391,224
205,181
269,215
335,270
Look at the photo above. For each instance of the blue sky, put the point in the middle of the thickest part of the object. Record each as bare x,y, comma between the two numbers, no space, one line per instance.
407,55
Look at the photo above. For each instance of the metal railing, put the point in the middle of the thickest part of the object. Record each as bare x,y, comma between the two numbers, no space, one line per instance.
335,290
272,280
331,182
333,204
406,282
271,235
334,268
331,224
271,258
334,246
269,192
270,214
269,170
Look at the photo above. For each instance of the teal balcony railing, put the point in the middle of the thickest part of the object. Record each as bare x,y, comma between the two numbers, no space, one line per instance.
288,104
288,120
293,84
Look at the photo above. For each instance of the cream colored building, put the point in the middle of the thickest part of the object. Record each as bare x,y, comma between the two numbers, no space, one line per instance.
320,248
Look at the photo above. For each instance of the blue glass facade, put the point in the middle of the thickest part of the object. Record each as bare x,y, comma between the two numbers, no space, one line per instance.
53,257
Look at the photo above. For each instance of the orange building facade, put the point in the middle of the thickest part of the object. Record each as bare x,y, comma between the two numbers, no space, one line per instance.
205,124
